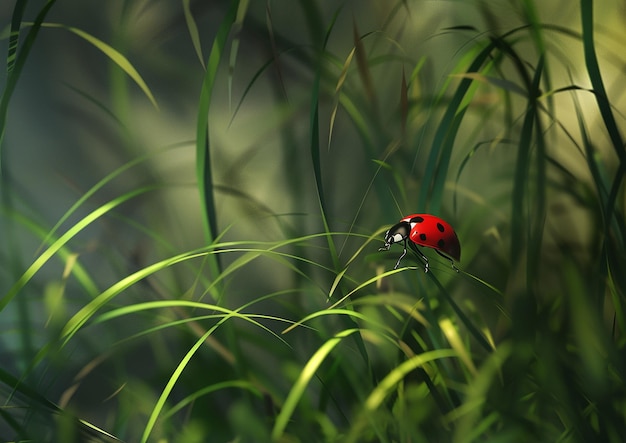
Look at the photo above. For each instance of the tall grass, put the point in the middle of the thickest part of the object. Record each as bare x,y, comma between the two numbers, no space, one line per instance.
245,299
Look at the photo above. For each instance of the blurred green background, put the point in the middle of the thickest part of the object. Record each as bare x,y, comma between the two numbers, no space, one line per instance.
183,181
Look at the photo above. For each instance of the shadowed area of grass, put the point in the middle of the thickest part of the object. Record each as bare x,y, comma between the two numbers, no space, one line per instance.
194,195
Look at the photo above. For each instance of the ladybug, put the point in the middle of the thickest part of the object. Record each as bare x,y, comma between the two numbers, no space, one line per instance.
425,230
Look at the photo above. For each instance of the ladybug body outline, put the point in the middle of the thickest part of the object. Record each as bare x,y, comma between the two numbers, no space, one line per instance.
428,231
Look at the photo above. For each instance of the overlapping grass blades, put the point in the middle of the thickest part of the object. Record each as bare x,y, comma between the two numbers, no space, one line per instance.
303,340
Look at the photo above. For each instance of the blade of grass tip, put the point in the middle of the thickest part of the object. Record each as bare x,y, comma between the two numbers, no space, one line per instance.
62,241
404,103
192,27
389,383
448,121
446,132
315,144
593,161
86,312
234,47
115,56
394,12
363,67
456,342
275,57
203,157
469,155
532,18
340,82
160,404
109,177
255,77
393,146
38,402
78,271
307,373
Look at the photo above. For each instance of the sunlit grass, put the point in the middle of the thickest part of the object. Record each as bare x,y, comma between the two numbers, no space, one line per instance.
304,332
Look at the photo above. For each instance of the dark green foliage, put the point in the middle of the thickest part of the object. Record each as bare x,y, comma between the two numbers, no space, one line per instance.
217,275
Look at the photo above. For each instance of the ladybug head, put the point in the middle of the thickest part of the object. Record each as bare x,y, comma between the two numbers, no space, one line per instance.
397,233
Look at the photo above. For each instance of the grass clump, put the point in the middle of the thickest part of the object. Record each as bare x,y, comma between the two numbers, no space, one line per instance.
246,299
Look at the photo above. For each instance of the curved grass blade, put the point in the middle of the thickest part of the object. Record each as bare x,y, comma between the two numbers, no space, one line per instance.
37,403
190,399
315,148
604,105
107,179
14,33
389,383
308,372
87,312
62,241
363,68
192,27
114,55
16,62
203,154
473,330
79,272
234,47
160,404
445,135
275,54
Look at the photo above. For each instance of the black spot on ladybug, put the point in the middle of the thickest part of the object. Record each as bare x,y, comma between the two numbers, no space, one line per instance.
423,237
441,243
418,219
440,227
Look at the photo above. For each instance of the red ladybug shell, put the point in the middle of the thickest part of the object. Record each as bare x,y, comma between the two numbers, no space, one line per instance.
433,232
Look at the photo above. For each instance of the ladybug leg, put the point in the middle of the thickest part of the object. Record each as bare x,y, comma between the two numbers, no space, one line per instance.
421,254
426,264
401,257
448,258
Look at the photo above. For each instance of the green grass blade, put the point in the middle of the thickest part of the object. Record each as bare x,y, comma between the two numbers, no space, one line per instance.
192,27
203,154
299,386
87,311
114,55
160,405
234,48
388,385
16,62
604,105
14,35
78,270
103,182
62,241
445,135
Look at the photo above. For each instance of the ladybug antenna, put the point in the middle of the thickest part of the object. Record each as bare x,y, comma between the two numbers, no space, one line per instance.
385,247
